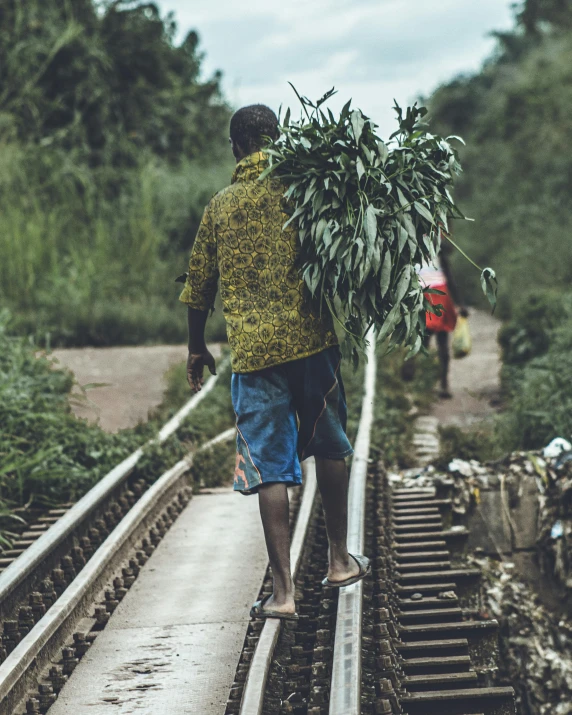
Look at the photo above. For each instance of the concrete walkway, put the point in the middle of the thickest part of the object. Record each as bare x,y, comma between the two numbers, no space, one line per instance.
173,644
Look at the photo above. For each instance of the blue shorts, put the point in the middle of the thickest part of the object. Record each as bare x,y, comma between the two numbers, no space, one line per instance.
285,414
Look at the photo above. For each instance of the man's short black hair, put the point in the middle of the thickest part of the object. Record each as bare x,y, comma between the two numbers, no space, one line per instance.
251,124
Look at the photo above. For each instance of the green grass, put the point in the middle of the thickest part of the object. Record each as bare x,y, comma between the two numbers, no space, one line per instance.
215,467
89,259
397,403
481,442
395,399
48,456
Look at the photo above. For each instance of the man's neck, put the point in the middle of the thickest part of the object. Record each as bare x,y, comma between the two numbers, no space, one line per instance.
240,155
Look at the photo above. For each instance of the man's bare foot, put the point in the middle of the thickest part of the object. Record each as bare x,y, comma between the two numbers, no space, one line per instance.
342,571
287,605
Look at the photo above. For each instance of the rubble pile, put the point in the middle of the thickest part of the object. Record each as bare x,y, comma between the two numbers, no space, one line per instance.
555,519
548,521
536,648
551,470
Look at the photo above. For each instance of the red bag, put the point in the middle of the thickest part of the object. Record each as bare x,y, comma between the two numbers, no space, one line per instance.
445,323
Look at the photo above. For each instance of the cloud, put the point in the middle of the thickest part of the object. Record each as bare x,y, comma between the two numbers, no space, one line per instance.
371,50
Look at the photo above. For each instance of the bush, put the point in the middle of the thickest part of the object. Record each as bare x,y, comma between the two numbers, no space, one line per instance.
45,453
398,402
49,456
537,382
540,406
82,269
111,144
480,443
527,335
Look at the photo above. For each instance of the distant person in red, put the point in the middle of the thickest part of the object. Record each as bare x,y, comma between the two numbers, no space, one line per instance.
439,276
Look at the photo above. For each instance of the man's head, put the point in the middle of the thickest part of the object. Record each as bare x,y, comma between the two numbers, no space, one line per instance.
249,126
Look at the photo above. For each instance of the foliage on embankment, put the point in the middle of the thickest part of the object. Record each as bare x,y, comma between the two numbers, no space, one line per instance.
49,456
111,143
536,384
515,117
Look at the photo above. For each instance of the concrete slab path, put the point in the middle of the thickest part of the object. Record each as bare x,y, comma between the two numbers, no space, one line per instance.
173,644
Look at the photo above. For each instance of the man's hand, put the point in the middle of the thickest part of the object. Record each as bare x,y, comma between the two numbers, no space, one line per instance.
195,365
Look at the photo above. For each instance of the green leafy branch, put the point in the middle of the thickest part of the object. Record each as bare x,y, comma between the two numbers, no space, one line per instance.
369,214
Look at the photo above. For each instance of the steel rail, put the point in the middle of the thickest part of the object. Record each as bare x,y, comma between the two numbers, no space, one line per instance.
345,688
255,686
14,577
33,653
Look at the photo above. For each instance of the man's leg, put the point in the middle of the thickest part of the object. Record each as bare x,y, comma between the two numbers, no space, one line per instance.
273,502
444,358
427,339
333,482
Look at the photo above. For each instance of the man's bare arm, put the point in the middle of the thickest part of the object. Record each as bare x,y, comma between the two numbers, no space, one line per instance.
199,355
197,320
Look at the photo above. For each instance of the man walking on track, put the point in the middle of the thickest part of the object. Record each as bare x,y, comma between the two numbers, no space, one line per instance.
287,388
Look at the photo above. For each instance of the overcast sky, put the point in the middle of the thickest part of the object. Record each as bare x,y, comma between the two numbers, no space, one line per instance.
371,50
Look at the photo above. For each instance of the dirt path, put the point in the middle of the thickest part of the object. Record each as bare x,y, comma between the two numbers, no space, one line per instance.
474,380
134,379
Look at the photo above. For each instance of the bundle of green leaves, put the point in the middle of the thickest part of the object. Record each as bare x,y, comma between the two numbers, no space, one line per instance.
368,213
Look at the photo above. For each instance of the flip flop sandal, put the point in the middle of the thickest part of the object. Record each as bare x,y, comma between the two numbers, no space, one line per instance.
364,570
258,611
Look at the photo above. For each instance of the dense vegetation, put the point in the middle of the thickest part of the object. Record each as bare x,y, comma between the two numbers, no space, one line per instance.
48,456
515,117
110,145
537,371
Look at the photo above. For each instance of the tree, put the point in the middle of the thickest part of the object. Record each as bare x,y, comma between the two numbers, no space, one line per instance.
514,115
104,80
537,15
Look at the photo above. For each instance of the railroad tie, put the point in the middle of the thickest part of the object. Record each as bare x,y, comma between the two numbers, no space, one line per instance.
432,648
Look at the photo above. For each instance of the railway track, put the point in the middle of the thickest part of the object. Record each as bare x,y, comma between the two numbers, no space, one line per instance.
57,574
409,639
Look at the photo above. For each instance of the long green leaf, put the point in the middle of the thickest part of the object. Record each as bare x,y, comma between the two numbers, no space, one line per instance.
370,224
385,276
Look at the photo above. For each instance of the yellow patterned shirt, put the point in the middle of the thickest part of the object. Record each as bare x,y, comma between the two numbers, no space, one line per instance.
270,315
